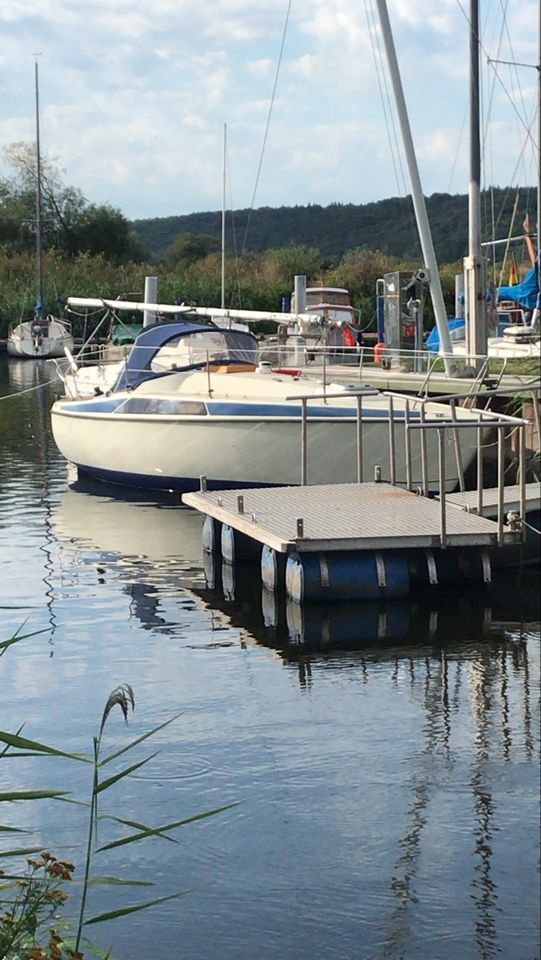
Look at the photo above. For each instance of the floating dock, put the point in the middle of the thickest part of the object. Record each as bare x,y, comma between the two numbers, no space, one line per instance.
345,541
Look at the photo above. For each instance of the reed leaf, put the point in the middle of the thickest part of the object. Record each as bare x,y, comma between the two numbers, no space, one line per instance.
20,853
105,784
122,912
4,829
16,638
157,831
116,881
13,795
136,825
22,743
145,736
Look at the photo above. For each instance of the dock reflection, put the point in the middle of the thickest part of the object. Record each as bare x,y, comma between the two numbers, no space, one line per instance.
155,547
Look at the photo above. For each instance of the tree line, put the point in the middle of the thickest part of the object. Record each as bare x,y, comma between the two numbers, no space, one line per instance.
93,250
386,225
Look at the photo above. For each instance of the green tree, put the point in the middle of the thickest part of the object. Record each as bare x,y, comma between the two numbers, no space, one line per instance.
296,259
188,248
104,229
69,223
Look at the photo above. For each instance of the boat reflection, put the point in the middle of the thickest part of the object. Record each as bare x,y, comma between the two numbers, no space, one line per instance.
155,550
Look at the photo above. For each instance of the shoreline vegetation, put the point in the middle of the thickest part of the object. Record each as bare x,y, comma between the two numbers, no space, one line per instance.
256,281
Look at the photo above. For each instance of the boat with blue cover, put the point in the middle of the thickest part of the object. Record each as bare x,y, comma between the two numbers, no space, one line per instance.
192,400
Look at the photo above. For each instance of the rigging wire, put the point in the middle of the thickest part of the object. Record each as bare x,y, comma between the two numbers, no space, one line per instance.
269,114
457,151
515,78
487,142
521,117
389,114
381,76
500,81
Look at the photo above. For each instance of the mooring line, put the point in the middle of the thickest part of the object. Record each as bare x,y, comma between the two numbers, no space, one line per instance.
38,386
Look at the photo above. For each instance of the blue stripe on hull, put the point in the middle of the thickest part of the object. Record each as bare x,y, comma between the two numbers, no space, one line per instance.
176,484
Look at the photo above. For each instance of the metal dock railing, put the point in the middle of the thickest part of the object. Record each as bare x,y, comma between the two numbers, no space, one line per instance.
379,525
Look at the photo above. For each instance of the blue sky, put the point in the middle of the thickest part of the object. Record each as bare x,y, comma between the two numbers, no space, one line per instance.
134,97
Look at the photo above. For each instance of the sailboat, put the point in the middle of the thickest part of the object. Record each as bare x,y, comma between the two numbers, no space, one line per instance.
44,336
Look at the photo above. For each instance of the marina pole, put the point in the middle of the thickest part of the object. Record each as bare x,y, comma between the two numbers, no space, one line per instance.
39,250
222,301
474,264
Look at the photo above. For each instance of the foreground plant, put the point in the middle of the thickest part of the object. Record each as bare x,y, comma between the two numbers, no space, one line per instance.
36,902
37,895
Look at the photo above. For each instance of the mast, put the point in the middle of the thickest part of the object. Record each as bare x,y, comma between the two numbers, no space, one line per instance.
474,264
39,252
419,204
536,318
222,304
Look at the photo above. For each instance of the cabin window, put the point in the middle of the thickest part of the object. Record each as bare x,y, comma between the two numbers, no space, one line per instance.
162,405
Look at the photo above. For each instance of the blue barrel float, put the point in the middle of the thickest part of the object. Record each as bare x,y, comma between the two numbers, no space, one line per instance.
347,575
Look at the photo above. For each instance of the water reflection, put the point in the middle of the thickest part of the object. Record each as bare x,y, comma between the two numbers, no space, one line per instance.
387,754
155,546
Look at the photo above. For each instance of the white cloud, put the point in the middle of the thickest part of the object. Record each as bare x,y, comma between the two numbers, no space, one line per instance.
134,97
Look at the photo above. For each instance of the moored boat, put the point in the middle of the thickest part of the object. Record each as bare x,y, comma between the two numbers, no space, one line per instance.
40,338
192,400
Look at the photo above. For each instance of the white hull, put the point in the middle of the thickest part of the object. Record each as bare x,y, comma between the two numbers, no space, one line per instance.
506,349
174,452
24,342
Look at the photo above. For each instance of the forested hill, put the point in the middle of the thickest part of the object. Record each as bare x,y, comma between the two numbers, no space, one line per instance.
387,225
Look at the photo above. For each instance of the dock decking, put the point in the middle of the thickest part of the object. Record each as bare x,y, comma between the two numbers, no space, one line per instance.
345,517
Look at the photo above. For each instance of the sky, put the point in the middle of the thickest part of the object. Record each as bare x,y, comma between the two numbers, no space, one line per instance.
134,97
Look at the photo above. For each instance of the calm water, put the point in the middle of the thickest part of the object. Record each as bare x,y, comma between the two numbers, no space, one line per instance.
386,758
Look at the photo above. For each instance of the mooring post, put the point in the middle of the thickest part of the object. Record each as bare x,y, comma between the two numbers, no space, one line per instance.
240,503
203,484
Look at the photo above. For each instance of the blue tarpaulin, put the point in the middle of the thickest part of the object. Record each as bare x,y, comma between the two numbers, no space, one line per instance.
457,328
525,293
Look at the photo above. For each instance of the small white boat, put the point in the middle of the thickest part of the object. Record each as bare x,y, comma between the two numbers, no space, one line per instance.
40,338
192,400
43,337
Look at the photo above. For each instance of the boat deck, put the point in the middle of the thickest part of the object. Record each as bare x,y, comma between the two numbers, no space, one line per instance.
409,382
346,517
